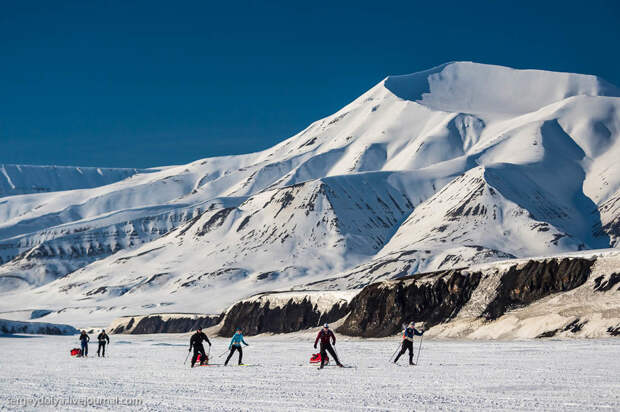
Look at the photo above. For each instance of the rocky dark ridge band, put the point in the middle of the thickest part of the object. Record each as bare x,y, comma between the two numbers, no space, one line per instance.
535,280
256,317
381,308
157,324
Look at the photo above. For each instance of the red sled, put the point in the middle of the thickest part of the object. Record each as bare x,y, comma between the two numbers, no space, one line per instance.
316,358
199,359
76,352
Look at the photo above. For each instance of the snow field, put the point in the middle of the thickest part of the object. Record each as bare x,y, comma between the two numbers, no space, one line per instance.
520,375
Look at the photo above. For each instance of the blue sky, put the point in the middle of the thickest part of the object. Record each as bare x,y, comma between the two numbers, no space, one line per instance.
138,84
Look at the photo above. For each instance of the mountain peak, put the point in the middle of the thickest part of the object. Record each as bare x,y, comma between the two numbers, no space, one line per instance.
483,88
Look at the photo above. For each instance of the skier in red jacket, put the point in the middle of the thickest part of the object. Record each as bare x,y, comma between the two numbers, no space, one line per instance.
325,335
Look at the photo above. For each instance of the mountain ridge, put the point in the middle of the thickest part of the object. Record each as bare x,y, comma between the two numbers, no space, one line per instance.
527,176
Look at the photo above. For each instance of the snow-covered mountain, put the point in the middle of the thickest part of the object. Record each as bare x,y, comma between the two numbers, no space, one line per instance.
25,179
461,164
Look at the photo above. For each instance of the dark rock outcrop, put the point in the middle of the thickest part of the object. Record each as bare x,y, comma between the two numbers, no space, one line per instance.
602,285
381,308
573,327
165,324
255,316
523,285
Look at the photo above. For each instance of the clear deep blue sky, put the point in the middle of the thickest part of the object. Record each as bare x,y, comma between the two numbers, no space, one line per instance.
151,83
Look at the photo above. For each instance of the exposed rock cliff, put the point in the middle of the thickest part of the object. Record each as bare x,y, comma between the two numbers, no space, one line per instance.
381,308
163,323
524,285
285,312
437,299
567,296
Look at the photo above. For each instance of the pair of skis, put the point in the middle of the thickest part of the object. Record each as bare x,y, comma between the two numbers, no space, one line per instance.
338,356
221,364
190,351
215,364
340,366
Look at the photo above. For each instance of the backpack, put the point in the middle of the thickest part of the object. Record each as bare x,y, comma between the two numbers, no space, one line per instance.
316,358
76,352
199,359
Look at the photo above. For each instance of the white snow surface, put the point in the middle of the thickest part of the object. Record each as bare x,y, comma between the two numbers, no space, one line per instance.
465,163
555,375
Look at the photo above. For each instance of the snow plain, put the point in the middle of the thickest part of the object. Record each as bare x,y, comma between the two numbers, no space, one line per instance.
452,375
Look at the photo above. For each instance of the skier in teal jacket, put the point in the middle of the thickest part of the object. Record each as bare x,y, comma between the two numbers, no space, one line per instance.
235,344
407,343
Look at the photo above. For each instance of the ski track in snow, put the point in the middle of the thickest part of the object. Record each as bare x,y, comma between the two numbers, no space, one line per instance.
522,375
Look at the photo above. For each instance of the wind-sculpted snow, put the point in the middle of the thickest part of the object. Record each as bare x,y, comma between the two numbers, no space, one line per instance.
462,164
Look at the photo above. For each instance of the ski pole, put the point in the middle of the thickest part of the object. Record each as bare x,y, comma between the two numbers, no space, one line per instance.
187,356
340,360
400,344
396,351
419,349
223,353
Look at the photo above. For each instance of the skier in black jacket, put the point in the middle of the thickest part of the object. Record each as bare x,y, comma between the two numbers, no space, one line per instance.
407,344
196,342
103,338
84,339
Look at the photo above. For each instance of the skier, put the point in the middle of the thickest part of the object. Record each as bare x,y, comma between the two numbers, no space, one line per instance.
103,339
325,335
84,339
235,344
407,343
196,342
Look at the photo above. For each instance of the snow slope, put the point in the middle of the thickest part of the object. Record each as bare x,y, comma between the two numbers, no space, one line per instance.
446,164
